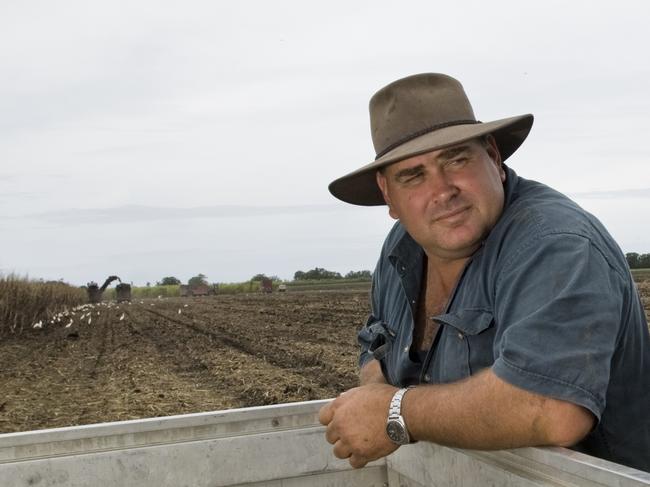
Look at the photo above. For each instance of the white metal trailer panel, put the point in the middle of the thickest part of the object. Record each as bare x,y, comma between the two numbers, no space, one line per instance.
281,445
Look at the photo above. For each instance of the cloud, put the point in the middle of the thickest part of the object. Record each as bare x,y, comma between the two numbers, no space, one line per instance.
614,194
17,195
137,213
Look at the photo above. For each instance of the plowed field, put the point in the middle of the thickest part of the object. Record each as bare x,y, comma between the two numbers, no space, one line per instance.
175,356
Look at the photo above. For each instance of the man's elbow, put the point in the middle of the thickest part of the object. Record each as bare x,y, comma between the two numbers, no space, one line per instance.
570,423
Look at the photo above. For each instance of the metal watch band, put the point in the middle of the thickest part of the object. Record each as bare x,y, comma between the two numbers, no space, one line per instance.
395,408
396,403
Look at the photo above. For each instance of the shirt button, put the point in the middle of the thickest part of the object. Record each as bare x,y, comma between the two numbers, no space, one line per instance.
406,349
460,336
427,377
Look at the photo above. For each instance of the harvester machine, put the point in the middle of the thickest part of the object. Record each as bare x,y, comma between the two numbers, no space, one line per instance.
95,292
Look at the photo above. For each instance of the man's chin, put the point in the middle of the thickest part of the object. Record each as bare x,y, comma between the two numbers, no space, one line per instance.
454,249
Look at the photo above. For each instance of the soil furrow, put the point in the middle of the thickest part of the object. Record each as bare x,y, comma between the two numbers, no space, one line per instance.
281,355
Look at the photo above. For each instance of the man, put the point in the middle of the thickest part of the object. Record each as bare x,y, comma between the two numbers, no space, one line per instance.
510,309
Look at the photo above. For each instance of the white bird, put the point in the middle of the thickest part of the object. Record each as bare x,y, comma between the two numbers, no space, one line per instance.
179,311
90,320
185,306
122,317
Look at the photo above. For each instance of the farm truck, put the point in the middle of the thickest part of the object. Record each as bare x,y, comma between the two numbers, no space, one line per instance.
266,285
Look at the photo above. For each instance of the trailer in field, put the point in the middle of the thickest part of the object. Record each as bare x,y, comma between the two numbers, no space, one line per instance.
123,292
275,446
186,290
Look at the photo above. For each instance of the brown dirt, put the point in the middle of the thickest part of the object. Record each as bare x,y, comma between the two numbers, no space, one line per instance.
218,352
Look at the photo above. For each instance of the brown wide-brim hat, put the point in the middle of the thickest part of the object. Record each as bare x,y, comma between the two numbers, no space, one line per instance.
420,114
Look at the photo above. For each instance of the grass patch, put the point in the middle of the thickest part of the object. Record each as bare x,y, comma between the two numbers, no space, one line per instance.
146,292
241,287
329,284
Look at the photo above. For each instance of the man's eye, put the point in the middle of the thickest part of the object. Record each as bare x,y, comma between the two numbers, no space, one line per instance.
413,178
457,161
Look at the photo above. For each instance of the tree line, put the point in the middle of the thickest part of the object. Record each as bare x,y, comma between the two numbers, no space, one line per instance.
315,274
638,261
634,260
318,273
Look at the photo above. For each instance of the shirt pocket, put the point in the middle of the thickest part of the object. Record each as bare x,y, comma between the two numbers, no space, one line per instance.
467,342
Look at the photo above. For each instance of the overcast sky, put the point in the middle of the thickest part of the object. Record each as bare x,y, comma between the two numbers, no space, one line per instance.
156,138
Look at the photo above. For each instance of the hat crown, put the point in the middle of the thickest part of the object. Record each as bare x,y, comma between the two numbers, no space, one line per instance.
416,105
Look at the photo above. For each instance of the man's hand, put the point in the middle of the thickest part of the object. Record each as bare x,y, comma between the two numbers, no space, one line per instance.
356,423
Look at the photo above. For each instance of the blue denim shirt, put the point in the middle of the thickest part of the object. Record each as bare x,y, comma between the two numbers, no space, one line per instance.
547,302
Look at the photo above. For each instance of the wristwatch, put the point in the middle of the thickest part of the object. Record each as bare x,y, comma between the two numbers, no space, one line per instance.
395,426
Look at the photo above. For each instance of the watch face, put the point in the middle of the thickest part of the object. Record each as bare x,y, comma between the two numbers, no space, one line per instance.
396,432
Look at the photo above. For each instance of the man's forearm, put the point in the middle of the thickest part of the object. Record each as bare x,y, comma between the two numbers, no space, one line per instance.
371,373
481,412
484,412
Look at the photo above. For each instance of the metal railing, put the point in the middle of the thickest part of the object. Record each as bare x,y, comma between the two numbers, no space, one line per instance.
280,445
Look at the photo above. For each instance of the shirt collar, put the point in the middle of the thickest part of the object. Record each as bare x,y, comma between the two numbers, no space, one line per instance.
510,186
406,254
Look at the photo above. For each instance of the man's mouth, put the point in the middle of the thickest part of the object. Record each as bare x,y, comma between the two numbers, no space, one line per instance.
448,215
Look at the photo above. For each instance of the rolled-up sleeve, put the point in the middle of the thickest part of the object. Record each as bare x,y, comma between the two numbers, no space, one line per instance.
558,310
367,335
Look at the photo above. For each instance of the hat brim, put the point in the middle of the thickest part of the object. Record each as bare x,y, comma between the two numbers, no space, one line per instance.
360,187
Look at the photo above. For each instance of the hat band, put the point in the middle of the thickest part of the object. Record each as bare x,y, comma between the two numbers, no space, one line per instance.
422,132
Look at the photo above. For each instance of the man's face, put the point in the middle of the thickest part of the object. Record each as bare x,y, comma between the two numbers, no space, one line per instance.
449,199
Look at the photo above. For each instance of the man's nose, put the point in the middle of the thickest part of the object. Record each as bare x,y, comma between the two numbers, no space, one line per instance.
442,187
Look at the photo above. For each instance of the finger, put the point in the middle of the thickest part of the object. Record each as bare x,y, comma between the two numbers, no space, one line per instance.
340,450
325,414
331,435
357,461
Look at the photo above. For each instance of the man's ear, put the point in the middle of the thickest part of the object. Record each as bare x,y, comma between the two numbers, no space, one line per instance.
383,186
492,150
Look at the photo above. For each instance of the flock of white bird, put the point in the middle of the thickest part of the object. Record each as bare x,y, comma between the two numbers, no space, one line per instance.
85,312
